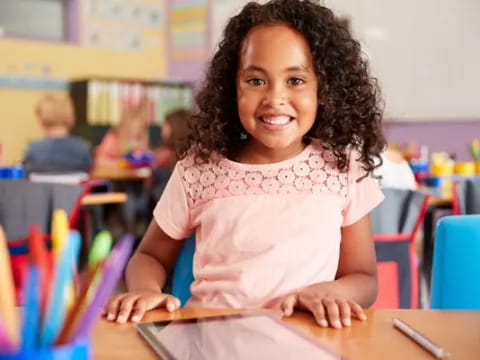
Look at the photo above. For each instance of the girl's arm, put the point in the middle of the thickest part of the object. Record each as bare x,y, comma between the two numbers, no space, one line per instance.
155,256
335,302
357,268
145,277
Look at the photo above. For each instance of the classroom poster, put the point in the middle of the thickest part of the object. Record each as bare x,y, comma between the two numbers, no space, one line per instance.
188,33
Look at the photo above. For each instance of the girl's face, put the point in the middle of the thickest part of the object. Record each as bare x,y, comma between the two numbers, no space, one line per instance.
276,92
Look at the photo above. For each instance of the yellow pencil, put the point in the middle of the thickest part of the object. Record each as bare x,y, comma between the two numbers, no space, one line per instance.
60,230
7,299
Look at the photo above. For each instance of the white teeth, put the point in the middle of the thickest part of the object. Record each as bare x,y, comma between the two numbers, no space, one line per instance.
276,120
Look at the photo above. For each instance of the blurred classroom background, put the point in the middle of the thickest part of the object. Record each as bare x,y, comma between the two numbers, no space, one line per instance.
146,58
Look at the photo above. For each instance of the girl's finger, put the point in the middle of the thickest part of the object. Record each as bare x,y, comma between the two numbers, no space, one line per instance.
316,307
172,303
138,310
113,306
126,308
288,304
357,311
333,312
345,312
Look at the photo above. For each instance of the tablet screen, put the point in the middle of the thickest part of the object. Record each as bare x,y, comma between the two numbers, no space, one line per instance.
249,336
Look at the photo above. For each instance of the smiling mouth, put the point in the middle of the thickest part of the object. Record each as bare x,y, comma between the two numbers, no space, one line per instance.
276,120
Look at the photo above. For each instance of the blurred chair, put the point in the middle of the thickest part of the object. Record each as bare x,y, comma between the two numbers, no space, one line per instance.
466,197
456,266
395,224
22,204
183,271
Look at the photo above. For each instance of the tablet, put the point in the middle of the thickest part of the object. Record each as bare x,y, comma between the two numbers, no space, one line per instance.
247,336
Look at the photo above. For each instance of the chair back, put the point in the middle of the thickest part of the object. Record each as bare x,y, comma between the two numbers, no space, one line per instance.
466,197
456,266
395,223
22,204
183,271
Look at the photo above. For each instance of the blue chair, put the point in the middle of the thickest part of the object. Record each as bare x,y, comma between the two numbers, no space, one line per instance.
456,266
183,271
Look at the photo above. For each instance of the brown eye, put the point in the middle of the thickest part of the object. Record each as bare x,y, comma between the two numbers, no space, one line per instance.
256,82
296,81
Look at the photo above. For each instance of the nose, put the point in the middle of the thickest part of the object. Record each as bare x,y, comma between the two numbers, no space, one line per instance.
275,95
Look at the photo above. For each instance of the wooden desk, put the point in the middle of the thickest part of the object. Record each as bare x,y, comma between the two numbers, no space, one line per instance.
122,174
104,198
443,201
376,339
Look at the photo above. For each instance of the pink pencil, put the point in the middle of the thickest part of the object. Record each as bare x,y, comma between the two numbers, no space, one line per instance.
5,341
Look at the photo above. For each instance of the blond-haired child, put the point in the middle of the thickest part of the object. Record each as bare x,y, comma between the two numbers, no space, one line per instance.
57,151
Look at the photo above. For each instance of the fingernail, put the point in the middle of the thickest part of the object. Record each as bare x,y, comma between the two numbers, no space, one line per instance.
363,317
110,316
347,322
170,307
337,324
323,323
136,318
121,319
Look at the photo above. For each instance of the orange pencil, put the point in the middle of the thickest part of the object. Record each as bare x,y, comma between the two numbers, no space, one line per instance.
78,307
8,312
39,257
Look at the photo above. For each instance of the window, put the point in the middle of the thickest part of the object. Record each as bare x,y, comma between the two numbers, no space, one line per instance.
34,19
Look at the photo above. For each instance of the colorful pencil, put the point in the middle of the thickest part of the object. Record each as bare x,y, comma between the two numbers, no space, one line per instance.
63,278
6,343
39,257
8,312
113,269
85,295
31,310
101,247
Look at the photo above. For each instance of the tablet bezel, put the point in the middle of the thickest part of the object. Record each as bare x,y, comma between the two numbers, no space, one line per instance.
147,330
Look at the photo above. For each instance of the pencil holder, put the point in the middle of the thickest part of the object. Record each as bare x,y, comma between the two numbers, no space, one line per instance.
79,350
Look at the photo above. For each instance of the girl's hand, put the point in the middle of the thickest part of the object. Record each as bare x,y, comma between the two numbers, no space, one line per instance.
133,305
327,309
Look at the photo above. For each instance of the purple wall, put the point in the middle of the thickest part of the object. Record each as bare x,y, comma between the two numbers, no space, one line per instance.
452,137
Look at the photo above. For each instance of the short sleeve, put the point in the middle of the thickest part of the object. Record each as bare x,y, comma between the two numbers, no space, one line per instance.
172,212
363,195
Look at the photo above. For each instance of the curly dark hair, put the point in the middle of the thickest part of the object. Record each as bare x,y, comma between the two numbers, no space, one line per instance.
349,113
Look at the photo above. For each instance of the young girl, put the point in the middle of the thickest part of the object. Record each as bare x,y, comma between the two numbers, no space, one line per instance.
131,133
276,176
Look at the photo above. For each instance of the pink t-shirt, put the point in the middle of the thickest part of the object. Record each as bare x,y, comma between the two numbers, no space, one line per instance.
263,231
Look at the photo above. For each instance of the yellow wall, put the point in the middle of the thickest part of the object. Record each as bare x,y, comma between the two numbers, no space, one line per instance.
17,123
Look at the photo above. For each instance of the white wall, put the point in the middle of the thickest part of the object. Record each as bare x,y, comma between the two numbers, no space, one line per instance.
425,53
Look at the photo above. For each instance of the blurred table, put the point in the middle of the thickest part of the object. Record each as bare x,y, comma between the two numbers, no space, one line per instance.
122,174
458,332
104,198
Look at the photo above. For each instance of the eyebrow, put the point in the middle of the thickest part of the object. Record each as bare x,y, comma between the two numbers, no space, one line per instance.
291,68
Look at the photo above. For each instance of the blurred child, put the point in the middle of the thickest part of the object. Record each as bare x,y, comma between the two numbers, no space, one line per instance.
174,130
58,151
395,171
130,134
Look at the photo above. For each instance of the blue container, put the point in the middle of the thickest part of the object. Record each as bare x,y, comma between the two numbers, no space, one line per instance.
11,172
79,350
